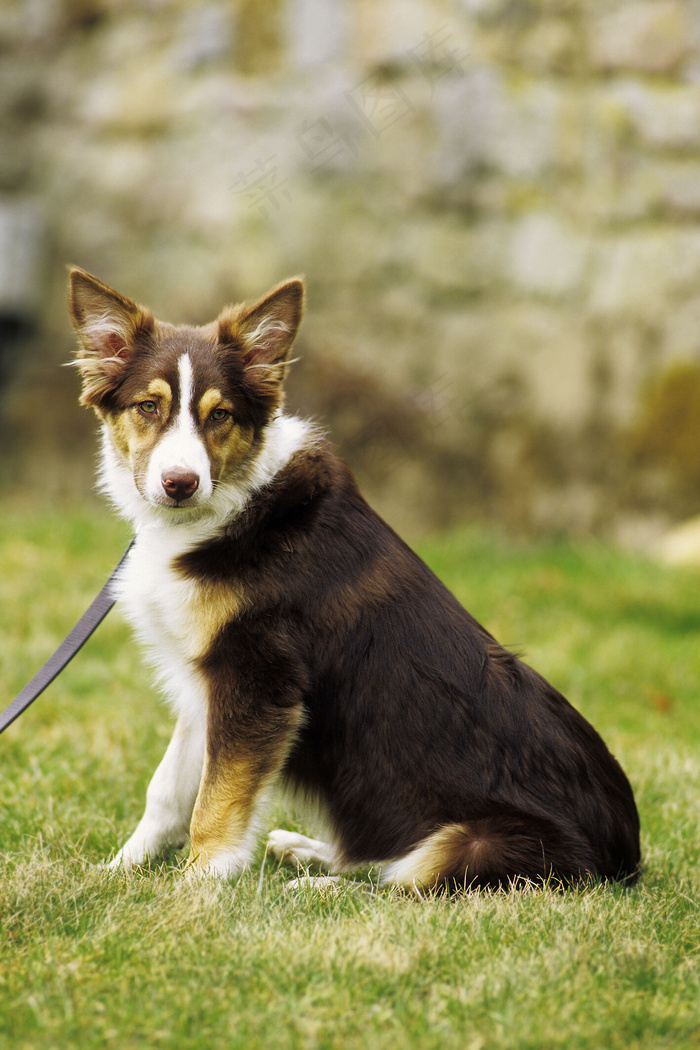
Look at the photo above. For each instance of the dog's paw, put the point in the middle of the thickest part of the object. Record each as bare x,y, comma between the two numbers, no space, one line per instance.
298,849
315,883
113,866
219,864
135,853
125,859
281,844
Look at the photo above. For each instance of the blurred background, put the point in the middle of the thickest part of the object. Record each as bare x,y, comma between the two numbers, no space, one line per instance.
496,204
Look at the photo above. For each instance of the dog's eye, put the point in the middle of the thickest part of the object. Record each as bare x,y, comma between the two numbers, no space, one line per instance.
218,415
149,408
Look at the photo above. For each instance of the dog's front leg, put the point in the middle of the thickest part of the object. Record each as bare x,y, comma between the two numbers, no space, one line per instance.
239,767
170,797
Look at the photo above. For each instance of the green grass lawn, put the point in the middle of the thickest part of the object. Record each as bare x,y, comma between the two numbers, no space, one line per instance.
148,959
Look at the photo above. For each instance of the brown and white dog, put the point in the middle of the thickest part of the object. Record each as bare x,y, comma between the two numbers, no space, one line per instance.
301,642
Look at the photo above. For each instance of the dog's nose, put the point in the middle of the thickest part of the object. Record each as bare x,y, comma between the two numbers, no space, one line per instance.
179,484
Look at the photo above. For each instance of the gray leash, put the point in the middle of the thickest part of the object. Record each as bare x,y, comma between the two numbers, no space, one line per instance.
72,643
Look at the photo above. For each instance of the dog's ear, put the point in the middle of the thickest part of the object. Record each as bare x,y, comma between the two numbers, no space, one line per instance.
108,325
265,330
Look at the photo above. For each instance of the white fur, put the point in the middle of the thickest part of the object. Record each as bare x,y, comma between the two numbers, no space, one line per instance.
288,845
236,859
317,883
170,797
407,870
283,436
232,862
160,607
100,328
266,332
298,849
180,447
163,607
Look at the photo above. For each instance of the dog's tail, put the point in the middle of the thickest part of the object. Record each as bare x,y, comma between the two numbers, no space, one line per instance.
504,850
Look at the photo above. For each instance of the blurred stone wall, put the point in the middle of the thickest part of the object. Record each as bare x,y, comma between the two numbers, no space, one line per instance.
496,204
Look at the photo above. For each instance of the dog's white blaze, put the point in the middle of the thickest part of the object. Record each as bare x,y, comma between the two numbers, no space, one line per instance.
180,447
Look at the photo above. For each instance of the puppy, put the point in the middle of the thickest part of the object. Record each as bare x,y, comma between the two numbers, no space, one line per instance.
300,642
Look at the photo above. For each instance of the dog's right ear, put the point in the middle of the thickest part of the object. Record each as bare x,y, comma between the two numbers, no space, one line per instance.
107,325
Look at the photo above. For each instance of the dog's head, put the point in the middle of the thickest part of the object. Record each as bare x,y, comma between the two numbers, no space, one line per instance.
185,410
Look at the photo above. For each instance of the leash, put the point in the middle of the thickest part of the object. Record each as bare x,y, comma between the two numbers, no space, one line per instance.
71,644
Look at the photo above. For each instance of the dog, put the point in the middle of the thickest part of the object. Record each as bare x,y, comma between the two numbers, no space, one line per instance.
301,643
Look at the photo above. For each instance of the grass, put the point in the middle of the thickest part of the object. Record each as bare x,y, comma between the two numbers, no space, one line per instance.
150,960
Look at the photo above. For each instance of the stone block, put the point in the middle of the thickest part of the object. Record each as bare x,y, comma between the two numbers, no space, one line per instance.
402,155
205,35
450,256
662,116
643,275
355,250
483,8
409,33
649,37
484,121
23,243
551,45
620,352
515,360
648,188
617,195
684,269
524,139
548,257
469,354
633,275
317,32
139,98
679,188
680,334
550,349
466,110
119,168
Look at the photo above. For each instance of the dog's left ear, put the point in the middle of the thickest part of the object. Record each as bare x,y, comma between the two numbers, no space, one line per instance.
266,330
108,326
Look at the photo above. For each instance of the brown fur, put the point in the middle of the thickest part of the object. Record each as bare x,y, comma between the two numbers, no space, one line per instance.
239,766
329,656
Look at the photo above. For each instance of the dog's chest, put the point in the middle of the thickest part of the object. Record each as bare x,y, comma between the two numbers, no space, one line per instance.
167,610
